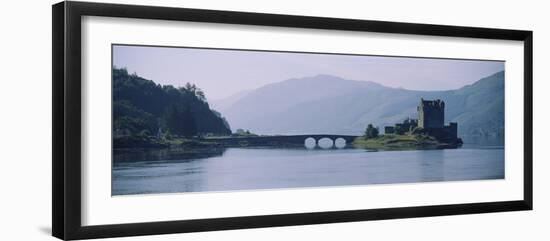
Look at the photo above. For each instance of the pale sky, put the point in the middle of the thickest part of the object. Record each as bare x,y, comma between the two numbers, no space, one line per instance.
222,73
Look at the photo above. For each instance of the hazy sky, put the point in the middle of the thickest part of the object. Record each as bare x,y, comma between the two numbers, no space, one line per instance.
222,73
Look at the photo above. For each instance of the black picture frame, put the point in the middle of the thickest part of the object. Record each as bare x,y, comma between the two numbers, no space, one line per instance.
66,158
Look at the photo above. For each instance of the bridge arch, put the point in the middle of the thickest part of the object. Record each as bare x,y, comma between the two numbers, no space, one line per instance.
310,143
325,143
340,143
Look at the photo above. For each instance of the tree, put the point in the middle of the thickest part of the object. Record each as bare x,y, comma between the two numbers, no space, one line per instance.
188,120
200,95
191,87
371,132
181,122
240,132
173,120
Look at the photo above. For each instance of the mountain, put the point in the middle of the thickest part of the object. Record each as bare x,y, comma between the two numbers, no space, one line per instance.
221,104
333,105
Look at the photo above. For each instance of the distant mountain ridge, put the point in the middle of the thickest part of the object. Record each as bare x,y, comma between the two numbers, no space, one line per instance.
221,104
333,105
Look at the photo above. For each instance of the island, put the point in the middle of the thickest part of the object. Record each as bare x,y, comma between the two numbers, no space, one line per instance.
426,132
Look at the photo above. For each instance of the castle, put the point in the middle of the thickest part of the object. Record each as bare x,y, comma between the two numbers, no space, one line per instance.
431,113
431,121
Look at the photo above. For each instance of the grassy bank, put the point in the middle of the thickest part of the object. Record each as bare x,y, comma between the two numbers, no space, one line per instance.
154,143
400,142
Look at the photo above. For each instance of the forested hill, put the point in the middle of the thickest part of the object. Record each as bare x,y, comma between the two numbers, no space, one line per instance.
141,106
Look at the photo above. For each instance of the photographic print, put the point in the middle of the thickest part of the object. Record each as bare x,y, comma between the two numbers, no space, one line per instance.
202,120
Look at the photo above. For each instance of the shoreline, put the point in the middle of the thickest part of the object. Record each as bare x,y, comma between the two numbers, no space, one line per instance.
395,142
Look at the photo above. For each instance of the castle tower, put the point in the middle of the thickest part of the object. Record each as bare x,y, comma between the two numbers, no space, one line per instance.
431,113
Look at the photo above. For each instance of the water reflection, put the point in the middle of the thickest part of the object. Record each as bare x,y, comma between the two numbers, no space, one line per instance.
483,141
134,172
139,154
431,165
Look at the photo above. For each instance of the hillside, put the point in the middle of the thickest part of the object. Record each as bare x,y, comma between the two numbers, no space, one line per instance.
329,104
141,106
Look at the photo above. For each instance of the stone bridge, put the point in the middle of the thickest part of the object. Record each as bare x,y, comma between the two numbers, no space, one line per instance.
324,141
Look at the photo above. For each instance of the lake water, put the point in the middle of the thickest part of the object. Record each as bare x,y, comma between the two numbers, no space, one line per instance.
256,168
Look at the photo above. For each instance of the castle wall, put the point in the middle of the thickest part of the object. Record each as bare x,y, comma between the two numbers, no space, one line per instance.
445,134
452,129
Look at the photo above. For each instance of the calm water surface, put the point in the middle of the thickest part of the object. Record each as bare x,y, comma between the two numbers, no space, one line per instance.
249,168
